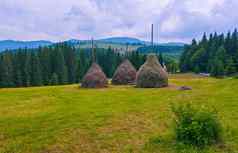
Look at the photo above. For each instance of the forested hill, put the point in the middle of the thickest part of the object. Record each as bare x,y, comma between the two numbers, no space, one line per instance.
175,50
11,44
122,40
121,44
216,54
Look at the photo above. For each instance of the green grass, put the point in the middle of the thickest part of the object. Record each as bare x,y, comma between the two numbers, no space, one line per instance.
120,119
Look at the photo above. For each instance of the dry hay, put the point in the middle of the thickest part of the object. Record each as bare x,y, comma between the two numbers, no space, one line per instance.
94,78
151,74
125,74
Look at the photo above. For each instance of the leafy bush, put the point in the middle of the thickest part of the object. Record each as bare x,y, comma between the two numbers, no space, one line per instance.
197,127
235,77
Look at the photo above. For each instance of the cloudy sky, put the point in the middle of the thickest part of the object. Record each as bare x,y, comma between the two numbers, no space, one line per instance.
56,20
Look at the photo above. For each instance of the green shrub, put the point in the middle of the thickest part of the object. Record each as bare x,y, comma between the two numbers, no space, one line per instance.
235,77
197,127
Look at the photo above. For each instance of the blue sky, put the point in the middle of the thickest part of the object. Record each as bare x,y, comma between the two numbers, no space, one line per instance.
57,20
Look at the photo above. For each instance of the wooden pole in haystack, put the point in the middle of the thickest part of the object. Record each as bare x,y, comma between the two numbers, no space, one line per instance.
95,77
152,35
93,52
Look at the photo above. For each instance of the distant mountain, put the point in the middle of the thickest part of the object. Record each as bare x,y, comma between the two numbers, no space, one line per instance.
74,41
119,43
122,40
171,49
172,44
112,40
12,44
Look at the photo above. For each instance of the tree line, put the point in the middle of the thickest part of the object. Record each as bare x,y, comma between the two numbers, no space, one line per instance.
61,64
217,55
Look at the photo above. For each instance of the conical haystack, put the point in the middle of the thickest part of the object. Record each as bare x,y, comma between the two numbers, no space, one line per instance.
125,74
151,74
94,78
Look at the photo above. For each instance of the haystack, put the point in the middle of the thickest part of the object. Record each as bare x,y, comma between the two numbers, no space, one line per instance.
94,78
125,74
151,74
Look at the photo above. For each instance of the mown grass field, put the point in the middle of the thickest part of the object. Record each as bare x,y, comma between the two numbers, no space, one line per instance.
120,119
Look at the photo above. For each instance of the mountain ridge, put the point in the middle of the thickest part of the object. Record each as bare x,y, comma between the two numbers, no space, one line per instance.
16,44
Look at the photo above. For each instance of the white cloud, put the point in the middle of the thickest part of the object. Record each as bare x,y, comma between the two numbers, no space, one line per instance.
61,19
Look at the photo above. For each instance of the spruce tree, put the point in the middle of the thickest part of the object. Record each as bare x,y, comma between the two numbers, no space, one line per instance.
18,79
71,63
26,69
218,53
59,66
218,68
229,66
17,66
36,75
161,59
198,60
7,75
45,61
54,79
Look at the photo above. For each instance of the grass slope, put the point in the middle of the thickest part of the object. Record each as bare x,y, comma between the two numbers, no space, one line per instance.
120,47
120,119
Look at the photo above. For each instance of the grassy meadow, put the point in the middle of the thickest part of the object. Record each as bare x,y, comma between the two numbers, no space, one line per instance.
119,119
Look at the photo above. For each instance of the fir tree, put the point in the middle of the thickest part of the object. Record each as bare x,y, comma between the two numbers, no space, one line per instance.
218,53
218,68
44,56
26,69
71,63
36,76
230,66
54,79
6,70
83,65
18,79
59,66
161,59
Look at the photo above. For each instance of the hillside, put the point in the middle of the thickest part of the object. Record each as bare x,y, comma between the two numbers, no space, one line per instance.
122,44
131,44
122,40
106,45
110,40
11,44
120,119
168,49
